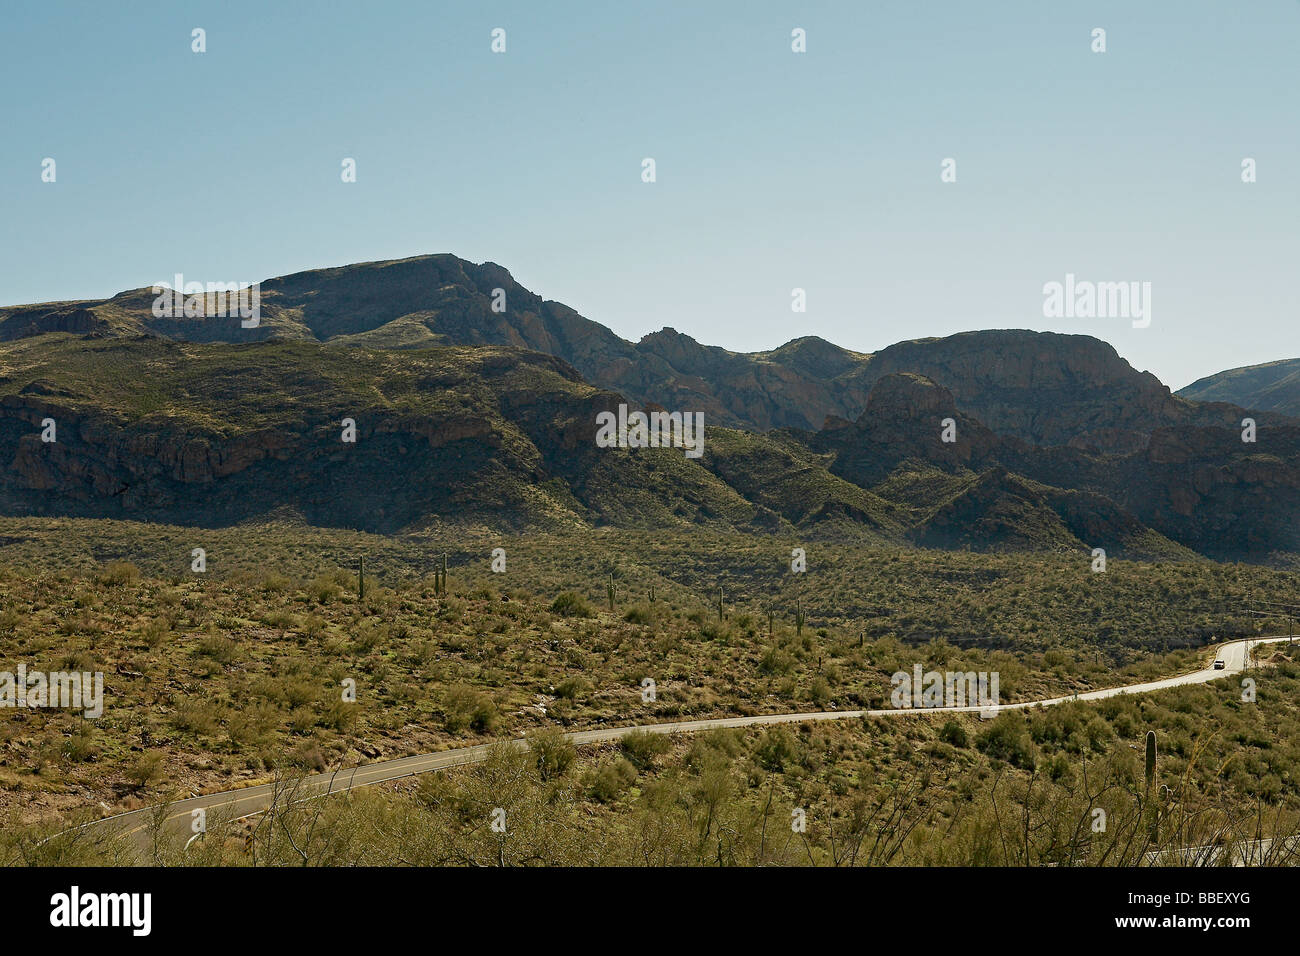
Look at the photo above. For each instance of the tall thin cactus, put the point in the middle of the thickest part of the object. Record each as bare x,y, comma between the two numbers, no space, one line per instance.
440,576
1151,758
361,578
720,611
798,617
609,590
1151,779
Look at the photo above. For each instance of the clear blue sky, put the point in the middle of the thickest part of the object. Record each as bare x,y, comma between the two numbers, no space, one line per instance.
775,170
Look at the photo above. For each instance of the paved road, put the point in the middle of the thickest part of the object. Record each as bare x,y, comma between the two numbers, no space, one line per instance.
252,800
1239,854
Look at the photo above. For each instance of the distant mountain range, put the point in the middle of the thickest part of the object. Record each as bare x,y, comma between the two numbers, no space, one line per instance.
466,413
1274,386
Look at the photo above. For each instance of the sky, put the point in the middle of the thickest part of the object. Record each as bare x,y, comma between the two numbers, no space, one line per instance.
774,170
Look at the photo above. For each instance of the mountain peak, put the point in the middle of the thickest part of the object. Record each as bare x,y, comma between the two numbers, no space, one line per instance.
1042,387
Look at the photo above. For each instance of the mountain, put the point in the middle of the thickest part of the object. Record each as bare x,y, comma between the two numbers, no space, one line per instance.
1273,386
1051,389
466,413
206,435
445,300
1199,486
1040,386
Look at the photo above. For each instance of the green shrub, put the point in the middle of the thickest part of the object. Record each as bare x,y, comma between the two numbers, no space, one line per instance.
466,707
118,573
145,770
954,733
639,614
611,779
569,604
571,688
1006,739
553,752
642,746
776,749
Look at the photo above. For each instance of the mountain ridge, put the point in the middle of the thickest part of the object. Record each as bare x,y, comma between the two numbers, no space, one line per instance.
1045,387
1270,386
466,413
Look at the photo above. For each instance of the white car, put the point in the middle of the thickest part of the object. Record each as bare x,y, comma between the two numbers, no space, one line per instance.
1220,664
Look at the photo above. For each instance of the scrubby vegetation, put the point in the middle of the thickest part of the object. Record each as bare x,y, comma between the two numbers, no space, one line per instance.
1065,785
241,675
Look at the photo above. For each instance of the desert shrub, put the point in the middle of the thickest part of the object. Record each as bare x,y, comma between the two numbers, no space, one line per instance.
553,752
218,647
118,573
339,715
611,779
464,707
1006,739
639,614
571,688
954,733
196,716
776,749
642,746
295,693
309,756
370,635
80,746
820,692
156,633
776,661
276,583
323,589
145,770
569,604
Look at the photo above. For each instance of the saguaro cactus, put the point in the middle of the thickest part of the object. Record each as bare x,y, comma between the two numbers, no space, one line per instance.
1151,758
609,590
1151,778
440,576
361,577
720,614
798,617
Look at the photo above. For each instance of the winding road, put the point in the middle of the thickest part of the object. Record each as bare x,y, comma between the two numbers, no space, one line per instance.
236,804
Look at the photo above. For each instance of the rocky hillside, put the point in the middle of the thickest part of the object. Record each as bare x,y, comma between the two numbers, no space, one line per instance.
212,434
1041,387
1050,389
1198,485
444,300
467,413
154,430
1273,386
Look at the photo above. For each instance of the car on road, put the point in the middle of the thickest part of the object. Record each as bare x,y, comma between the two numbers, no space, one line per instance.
1220,664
